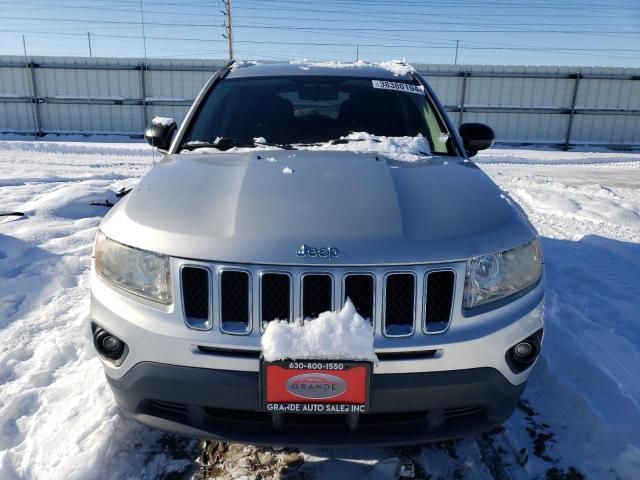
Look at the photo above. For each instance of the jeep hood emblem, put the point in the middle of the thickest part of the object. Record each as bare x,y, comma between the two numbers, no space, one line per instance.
307,251
316,385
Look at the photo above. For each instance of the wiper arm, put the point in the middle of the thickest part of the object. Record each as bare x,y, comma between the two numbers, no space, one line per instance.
337,141
225,143
340,141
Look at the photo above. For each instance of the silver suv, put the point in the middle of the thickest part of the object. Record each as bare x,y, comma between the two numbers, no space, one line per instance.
266,207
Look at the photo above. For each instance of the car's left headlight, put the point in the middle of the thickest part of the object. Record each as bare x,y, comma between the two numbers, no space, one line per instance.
493,277
139,271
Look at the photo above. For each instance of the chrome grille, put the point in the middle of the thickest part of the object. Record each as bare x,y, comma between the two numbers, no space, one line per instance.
241,299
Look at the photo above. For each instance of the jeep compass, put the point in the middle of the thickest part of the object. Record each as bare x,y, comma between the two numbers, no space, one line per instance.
288,191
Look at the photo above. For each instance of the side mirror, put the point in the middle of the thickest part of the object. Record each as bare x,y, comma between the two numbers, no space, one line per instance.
476,136
160,133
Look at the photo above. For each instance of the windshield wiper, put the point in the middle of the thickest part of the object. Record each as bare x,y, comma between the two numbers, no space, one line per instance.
225,143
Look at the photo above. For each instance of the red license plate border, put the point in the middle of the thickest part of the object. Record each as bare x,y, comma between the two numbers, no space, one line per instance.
330,408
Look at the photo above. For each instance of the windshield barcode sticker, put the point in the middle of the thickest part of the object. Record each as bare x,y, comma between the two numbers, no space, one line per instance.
399,86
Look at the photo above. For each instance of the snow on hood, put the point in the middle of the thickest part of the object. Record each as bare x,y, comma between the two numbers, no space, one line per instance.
342,335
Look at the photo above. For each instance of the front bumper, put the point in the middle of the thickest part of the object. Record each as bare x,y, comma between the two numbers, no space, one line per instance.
205,384
404,408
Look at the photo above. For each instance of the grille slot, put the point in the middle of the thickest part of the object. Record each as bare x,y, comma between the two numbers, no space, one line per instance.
317,294
360,289
196,297
399,307
170,407
463,411
439,300
275,297
234,301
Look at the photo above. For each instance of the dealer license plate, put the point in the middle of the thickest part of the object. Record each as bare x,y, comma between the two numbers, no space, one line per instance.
315,386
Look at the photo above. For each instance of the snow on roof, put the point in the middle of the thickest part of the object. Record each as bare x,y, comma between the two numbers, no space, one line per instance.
342,335
397,67
390,69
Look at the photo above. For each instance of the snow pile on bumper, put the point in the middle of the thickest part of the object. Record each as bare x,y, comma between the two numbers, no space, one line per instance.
342,335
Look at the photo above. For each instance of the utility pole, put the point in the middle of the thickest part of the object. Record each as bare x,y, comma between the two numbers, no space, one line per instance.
455,61
89,38
144,36
357,52
228,27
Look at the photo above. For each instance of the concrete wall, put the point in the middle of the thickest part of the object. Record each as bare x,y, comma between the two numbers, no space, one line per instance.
554,105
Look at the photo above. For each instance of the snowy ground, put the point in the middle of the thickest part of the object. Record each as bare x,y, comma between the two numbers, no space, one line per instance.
581,414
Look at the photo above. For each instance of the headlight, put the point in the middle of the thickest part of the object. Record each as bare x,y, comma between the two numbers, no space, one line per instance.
139,271
492,277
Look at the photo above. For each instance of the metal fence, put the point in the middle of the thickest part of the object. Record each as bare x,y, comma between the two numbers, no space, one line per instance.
550,105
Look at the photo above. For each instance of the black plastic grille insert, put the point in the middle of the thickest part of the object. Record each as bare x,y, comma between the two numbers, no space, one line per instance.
399,303
316,295
439,299
195,293
234,297
275,297
359,288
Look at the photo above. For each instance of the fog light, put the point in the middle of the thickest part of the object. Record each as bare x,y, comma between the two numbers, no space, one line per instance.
524,353
523,350
109,346
110,343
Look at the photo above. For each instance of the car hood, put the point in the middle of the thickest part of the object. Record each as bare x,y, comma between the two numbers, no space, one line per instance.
261,206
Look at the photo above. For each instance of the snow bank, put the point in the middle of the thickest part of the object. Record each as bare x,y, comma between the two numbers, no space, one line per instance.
75,201
164,121
588,156
342,335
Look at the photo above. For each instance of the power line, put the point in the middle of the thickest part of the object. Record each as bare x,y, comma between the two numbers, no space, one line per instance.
181,12
376,45
321,29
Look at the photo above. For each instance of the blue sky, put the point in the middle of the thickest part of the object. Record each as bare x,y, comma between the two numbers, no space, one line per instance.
536,32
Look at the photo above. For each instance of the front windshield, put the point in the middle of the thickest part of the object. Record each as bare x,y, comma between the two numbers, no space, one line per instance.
309,110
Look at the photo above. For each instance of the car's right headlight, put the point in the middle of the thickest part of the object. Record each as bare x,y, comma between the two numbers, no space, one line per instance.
498,275
139,271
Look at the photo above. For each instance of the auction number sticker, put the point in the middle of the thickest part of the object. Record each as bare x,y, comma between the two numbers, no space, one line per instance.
398,86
